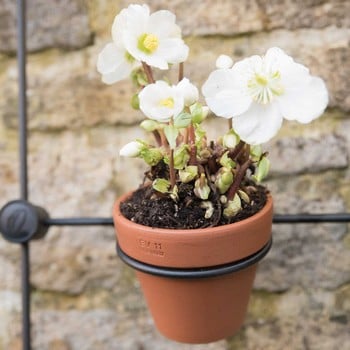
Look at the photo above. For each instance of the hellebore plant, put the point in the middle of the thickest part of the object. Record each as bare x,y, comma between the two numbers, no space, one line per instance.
254,95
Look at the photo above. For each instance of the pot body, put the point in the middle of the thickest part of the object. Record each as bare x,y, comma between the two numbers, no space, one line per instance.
184,307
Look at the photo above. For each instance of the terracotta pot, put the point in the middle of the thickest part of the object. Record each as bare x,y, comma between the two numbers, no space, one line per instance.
196,282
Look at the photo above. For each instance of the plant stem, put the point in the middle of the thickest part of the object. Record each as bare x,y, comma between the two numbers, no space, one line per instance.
238,179
157,137
193,149
237,150
181,71
172,170
229,124
148,71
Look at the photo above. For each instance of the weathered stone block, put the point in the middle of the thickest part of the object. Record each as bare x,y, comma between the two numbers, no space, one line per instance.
62,24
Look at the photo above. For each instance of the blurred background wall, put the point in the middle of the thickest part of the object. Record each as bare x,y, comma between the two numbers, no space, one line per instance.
83,297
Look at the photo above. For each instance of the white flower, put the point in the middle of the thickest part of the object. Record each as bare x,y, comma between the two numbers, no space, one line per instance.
151,38
160,101
115,63
224,62
131,149
258,92
188,91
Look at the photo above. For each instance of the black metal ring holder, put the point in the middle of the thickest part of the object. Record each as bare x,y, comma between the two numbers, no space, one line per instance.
21,221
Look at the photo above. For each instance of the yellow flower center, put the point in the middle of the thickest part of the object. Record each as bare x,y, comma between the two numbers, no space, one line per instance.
148,43
167,102
263,87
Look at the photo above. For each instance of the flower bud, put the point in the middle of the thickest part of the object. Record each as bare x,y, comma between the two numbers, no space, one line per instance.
198,112
224,180
233,207
226,161
152,156
150,125
201,188
244,196
224,62
131,149
230,140
209,209
188,91
188,174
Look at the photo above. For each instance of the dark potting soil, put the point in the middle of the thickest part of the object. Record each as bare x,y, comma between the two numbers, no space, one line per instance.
148,208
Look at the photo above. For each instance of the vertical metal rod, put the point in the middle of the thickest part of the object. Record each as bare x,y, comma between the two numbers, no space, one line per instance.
22,127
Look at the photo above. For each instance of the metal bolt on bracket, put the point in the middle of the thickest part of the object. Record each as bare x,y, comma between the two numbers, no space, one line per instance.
20,221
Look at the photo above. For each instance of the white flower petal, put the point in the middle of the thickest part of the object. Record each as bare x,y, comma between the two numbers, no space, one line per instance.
258,124
224,62
305,102
152,96
109,58
174,50
224,94
188,91
113,64
162,24
131,149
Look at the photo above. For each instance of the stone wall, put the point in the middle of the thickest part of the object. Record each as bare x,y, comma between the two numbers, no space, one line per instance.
83,297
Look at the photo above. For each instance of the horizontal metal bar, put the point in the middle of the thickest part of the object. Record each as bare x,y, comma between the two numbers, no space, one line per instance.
80,221
277,219
310,218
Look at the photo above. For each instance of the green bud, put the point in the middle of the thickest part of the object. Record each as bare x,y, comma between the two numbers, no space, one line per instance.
198,112
201,188
226,161
181,157
183,120
262,169
150,125
135,102
152,156
188,174
245,198
233,207
139,78
161,185
256,152
174,195
230,140
224,180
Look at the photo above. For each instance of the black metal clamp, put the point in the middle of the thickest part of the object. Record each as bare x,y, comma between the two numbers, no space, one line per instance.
21,221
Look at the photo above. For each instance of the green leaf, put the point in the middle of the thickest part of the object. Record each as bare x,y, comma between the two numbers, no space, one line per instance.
183,120
262,169
161,185
171,133
150,125
226,161
135,102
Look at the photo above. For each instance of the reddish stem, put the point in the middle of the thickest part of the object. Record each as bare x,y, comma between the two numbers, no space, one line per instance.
148,71
181,71
193,149
238,179
237,150
172,170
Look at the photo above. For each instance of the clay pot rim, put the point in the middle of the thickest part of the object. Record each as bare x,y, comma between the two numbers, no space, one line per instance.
207,231
195,273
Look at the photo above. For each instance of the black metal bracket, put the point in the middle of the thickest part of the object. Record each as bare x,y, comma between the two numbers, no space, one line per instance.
21,221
